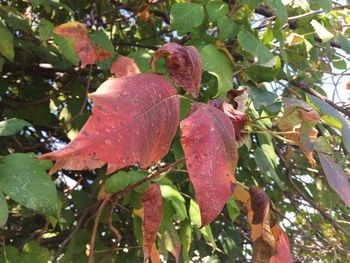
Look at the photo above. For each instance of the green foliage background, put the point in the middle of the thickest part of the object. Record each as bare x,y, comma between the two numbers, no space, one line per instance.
275,48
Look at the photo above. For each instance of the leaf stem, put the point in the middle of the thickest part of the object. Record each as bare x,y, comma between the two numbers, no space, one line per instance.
274,134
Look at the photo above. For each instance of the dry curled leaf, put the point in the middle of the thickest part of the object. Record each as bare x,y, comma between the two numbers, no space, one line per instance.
124,66
152,205
184,66
133,121
299,119
238,98
82,43
210,149
270,242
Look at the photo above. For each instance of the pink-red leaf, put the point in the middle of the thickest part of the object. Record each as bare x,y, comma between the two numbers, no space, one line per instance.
184,65
134,120
336,177
82,43
124,66
237,118
152,205
209,143
282,254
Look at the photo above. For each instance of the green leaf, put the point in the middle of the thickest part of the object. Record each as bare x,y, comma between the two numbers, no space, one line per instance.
101,39
328,110
45,29
228,29
196,220
186,239
261,74
279,9
12,126
254,46
216,63
266,166
336,177
232,209
34,253
122,179
195,215
142,58
326,5
216,9
10,254
23,179
2,62
178,202
344,42
4,213
66,46
117,182
264,100
6,44
186,16
321,31
251,3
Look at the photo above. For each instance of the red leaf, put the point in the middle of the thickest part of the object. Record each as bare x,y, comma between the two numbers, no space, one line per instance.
336,177
124,66
152,205
210,148
134,120
82,43
282,254
237,118
184,65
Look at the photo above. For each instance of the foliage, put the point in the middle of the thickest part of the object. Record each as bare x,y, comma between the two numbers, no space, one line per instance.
180,131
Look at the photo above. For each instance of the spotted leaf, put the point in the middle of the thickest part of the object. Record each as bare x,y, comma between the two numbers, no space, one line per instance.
209,143
133,121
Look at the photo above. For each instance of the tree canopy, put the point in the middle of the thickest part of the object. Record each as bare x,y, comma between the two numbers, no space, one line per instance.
174,131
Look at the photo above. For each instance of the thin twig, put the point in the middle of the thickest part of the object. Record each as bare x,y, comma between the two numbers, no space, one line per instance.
309,200
72,233
94,230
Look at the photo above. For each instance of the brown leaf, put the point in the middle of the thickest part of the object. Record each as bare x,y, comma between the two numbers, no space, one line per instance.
155,257
237,118
184,66
238,98
102,54
336,177
241,194
134,120
261,218
153,205
82,43
145,14
124,66
210,149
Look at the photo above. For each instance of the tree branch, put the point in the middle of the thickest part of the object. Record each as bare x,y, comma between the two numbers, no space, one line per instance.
307,89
